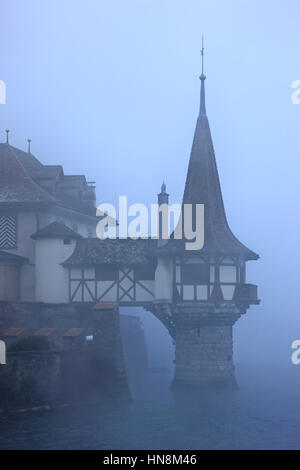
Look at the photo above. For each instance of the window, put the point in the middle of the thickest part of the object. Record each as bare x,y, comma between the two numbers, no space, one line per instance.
107,273
8,231
144,272
227,274
195,273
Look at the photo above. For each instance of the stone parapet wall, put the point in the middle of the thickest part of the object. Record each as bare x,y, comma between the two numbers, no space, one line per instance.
73,369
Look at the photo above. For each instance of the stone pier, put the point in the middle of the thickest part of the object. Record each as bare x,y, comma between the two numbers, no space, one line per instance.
204,347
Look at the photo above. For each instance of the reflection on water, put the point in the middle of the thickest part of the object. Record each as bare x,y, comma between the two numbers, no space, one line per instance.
258,416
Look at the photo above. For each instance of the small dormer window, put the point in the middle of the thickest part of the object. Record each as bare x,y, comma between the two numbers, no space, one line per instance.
8,231
67,241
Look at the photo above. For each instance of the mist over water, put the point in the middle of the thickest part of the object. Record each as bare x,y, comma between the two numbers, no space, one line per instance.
263,414
118,102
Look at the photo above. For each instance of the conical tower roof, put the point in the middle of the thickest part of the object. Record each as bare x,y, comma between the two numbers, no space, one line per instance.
203,187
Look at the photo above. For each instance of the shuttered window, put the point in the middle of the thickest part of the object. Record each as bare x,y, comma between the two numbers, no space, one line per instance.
8,231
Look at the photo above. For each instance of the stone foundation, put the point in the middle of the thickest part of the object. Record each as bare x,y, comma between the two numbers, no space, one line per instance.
72,369
204,349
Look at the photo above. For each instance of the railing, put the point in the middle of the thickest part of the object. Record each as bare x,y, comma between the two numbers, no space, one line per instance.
246,293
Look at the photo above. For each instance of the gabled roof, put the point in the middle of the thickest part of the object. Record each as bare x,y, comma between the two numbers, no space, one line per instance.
93,251
29,161
16,184
25,180
47,172
56,230
203,187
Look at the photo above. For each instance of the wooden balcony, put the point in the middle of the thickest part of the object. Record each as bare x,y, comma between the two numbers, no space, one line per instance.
246,294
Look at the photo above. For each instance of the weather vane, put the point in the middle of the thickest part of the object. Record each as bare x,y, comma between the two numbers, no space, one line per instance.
202,55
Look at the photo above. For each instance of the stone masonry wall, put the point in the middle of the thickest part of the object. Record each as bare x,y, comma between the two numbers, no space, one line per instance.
204,355
74,369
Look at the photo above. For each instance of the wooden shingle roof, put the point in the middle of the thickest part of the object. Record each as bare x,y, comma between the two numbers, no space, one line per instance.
93,251
16,184
25,180
203,187
56,230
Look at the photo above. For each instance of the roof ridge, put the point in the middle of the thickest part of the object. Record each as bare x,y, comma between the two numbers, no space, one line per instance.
27,174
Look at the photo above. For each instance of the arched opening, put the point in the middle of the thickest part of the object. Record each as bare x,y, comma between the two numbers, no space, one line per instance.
149,353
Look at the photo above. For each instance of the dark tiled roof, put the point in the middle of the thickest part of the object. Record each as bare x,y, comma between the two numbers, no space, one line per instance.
93,251
16,184
73,180
203,187
67,201
30,162
24,179
11,257
56,230
47,172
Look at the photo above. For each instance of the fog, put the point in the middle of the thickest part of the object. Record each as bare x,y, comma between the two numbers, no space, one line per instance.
111,90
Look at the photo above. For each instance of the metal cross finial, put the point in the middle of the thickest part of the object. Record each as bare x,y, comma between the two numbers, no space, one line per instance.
29,141
7,132
202,55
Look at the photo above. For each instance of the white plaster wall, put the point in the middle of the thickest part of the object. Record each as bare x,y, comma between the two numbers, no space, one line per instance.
9,283
26,226
52,280
227,291
164,279
86,226
142,294
27,282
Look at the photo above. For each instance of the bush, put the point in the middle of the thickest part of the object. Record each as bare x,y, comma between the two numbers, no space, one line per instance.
31,343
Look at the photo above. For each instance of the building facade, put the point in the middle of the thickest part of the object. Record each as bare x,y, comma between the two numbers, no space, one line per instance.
32,197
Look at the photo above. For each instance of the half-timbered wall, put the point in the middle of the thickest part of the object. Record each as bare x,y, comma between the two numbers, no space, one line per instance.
110,284
195,276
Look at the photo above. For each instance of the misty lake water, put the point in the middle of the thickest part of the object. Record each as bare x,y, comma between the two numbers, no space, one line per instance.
263,414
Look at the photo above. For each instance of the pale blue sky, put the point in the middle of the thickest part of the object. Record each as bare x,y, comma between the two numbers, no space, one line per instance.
110,89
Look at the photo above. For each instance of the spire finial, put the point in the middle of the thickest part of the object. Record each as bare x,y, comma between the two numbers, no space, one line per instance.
29,141
202,78
202,55
7,132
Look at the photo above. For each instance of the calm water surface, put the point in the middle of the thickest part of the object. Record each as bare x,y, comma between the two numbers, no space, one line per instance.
264,414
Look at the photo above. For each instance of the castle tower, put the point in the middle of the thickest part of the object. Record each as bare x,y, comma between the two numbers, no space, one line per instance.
210,289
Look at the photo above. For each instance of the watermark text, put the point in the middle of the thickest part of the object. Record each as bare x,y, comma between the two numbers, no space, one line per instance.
135,221
2,92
